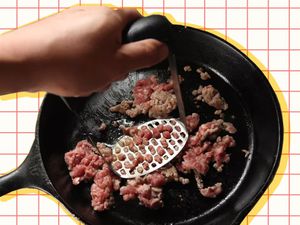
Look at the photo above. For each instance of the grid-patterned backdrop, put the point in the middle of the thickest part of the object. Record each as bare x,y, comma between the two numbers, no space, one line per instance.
267,30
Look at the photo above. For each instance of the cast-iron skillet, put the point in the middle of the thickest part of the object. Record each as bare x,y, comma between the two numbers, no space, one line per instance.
253,108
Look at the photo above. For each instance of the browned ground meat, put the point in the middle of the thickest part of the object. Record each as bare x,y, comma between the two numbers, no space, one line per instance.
148,189
82,162
203,74
187,68
212,191
229,127
148,195
162,103
211,96
122,107
150,97
192,122
105,182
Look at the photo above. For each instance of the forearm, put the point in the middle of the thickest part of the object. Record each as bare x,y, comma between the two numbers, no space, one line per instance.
15,70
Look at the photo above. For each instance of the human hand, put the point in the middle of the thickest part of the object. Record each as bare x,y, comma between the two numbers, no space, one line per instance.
78,51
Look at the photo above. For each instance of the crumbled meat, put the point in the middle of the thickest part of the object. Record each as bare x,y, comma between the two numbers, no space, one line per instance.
122,107
192,122
171,174
180,78
198,158
210,130
187,68
148,189
229,127
162,103
82,162
105,151
212,191
203,74
149,196
150,97
105,182
211,96
209,192
219,151
143,90
218,112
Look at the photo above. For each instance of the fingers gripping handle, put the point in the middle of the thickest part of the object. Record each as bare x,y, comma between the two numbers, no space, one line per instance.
155,26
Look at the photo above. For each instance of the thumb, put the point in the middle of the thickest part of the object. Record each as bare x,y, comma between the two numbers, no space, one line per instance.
141,54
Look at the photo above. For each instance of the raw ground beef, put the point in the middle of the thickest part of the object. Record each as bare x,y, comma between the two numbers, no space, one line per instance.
200,151
82,162
149,97
203,74
192,122
105,183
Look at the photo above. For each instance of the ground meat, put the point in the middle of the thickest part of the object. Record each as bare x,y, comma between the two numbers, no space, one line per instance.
199,156
192,122
82,162
205,131
131,131
229,127
203,74
149,97
218,112
212,191
148,189
209,192
143,90
171,174
122,107
219,151
198,159
211,96
105,151
162,103
105,182
187,68
149,196
210,130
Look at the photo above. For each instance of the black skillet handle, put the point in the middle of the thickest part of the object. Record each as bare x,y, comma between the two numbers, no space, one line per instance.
30,174
155,26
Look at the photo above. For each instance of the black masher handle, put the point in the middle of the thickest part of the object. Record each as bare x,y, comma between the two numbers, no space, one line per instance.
155,26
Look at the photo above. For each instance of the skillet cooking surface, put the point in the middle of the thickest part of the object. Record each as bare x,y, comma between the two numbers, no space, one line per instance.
253,109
